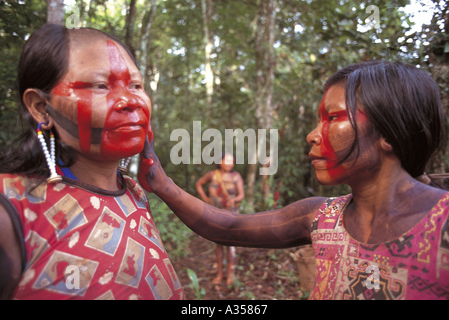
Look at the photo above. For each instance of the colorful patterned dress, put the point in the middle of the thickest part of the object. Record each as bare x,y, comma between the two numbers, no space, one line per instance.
412,266
83,242
216,192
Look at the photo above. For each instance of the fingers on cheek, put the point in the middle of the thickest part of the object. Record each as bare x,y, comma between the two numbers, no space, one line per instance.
150,132
144,168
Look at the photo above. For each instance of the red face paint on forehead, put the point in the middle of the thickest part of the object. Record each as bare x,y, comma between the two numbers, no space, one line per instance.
118,67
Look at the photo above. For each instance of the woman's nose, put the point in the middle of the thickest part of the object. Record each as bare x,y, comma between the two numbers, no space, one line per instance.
129,103
315,137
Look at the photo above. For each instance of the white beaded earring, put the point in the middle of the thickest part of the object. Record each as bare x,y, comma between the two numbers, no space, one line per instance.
49,156
123,167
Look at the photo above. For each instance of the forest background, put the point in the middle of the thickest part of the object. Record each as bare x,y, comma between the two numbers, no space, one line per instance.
239,64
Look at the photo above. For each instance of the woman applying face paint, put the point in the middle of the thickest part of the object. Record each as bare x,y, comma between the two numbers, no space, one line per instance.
87,231
379,124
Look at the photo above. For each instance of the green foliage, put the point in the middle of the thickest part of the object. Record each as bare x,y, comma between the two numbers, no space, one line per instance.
313,40
17,20
195,284
175,235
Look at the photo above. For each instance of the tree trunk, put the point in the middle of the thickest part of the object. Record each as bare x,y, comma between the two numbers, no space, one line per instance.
206,6
265,62
55,12
129,25
91,4
145,40
265,65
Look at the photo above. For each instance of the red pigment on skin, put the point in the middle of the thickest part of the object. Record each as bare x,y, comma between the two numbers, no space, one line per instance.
84,110
119,81
119,77
62,89
327,151
85,120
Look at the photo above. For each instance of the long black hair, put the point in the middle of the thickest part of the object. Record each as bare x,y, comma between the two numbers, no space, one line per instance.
402,102
43,62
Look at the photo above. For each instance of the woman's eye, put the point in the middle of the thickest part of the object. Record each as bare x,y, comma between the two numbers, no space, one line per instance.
341,115
101,86
137,86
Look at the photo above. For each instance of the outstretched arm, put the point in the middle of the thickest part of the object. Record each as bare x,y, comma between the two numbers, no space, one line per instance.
286,227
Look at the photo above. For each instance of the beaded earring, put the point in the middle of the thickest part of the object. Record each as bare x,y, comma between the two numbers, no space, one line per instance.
123,167
49,156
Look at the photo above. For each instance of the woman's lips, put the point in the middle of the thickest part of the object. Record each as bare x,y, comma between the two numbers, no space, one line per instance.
128,127
319,162
126,131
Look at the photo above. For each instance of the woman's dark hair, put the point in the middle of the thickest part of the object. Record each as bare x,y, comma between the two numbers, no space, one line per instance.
43,62
403,104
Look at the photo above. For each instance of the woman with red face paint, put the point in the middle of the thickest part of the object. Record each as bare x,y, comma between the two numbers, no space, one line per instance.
225,191
379,123
71,225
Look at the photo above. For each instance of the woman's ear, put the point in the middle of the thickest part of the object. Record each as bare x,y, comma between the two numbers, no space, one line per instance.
385,145
37,107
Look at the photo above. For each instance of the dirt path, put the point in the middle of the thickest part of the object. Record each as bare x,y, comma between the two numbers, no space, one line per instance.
262,274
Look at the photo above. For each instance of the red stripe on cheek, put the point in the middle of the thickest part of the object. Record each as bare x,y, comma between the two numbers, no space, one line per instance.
335,169
326,148
85,120
84,109
327,151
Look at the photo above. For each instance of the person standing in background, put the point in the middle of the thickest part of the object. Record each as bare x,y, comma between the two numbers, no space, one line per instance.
226,192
